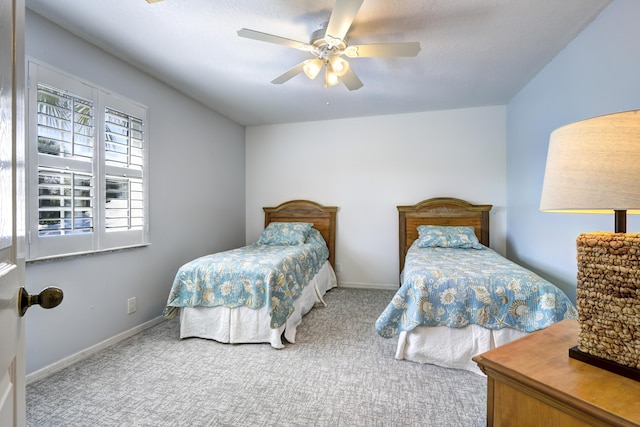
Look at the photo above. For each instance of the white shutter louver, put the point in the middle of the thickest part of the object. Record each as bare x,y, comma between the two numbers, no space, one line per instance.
124,158
65,154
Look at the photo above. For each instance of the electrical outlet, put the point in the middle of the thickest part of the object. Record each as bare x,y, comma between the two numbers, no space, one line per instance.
131,305
338,268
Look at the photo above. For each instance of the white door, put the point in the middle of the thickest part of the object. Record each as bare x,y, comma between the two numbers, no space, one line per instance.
12,143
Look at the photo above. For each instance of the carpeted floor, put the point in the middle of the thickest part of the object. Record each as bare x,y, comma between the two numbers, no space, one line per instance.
338,373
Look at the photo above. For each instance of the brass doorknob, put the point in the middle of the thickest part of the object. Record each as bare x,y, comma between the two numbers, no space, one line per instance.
48,298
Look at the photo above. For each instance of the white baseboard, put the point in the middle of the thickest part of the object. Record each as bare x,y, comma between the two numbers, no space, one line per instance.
68,361
377,286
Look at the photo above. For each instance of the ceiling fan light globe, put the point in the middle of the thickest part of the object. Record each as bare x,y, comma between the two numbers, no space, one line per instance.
312,68
330,77
339,65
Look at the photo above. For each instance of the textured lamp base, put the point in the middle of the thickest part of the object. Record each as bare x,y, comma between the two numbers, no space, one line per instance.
608,297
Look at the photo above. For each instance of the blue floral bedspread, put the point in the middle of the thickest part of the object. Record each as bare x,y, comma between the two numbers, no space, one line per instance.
457,287
254,276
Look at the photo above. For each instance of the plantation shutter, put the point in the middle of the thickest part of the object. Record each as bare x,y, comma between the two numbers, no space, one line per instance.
124,155
87,160
125,192
65,162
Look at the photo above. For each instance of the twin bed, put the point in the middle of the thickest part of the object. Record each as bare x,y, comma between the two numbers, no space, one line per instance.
458,297
260,292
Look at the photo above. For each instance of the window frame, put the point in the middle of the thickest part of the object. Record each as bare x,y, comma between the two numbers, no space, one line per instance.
100,239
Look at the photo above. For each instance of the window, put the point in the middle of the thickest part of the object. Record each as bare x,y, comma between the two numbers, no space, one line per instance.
87,152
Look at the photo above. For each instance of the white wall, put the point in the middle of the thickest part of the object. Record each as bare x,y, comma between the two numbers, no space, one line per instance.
196,206
368,166
597,73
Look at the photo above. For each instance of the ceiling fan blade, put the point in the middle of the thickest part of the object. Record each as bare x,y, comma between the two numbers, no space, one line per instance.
290,73
383,49
344,12
270,38
350,80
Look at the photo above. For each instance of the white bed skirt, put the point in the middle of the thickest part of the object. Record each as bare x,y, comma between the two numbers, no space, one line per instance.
248,325
451,347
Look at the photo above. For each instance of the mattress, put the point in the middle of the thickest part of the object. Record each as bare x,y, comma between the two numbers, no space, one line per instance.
252,325
456,303
256,275
459,287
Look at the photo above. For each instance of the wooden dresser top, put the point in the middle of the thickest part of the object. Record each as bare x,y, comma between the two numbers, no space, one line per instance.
541,362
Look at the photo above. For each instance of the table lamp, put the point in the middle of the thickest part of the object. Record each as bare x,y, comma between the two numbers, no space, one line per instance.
593,166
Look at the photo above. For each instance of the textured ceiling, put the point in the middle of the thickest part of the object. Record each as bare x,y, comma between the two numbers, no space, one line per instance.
474,52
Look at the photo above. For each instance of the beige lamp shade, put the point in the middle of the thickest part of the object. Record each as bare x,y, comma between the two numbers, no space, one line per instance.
593,166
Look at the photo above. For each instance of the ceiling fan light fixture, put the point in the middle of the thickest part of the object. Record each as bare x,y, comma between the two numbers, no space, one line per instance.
330,50
312,68
330,77
339,65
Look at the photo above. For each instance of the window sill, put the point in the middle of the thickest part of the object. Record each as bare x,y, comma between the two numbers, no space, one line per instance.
84,254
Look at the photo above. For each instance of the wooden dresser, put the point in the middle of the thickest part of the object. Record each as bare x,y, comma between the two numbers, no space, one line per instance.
533,382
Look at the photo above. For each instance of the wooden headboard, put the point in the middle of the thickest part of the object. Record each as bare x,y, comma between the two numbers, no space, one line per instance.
441,211
322,217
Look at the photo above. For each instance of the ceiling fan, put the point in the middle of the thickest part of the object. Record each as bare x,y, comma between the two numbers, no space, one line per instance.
328,45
